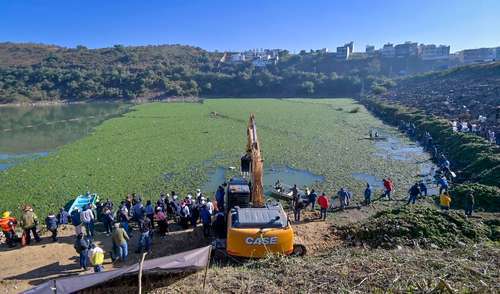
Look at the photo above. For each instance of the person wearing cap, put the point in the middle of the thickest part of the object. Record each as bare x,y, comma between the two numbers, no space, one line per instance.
120,245
8,225
161,220
29,221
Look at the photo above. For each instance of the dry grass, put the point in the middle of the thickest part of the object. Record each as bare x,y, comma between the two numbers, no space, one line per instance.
357,270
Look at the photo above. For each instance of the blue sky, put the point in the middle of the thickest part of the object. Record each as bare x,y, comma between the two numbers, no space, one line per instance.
238,25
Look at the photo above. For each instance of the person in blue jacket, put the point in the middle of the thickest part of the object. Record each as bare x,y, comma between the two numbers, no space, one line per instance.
443,185
52,223
368,194
206,220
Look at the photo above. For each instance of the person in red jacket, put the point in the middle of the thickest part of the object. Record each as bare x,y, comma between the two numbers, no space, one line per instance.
389,186
8,224
323,204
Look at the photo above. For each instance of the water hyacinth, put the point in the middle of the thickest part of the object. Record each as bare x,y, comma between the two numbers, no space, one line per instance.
186,140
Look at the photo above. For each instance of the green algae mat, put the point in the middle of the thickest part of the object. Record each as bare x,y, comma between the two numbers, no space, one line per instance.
174,146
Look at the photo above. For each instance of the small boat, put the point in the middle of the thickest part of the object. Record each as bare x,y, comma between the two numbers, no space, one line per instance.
285,193
84,200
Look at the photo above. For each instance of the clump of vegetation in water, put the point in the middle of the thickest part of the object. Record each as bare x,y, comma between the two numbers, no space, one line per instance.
416,226
354,110
172,146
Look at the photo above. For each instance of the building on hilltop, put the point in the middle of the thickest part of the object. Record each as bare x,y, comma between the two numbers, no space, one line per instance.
478,55
406,50
343,52
237,57
264,60
388,51
433,52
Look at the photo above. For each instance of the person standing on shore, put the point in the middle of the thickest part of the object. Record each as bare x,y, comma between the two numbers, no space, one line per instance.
87,218
295,195
82,248
161,220
299,205
149,210
342,197
323,204
96,257
76,221
63,217
312,199
389,187
29,222
120,245
423,188
414,192
108,220
368,194
206,220
444,201
8,225
443,185
52,224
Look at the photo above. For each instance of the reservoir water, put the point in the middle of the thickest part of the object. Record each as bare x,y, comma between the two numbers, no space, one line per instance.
29,132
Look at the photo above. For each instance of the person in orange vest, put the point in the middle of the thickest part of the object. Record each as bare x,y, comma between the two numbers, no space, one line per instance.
323,204
8,225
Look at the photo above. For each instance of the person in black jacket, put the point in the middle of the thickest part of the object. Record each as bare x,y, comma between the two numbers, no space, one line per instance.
220,225
414,192
82,247
52,223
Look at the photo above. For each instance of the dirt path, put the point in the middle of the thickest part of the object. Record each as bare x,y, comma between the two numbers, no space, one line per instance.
23,268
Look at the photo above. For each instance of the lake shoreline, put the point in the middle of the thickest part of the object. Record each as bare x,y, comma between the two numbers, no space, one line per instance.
133,101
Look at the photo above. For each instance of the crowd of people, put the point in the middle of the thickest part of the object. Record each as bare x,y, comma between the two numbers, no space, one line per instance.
469,100
441,177
131,216
478,129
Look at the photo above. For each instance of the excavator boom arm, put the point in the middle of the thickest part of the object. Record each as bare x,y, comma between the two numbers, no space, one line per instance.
253,150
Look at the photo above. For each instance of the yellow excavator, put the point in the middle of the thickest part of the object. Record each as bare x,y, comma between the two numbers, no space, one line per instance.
256,228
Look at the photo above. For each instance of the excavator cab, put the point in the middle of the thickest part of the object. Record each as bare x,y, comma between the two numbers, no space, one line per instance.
238,193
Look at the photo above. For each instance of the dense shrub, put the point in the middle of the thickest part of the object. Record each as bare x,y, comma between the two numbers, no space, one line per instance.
412,225
486,198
